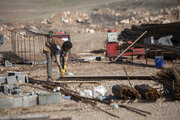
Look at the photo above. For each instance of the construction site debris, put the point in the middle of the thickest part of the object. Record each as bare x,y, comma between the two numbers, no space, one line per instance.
92,101
15,77
7,63
87,93
131,45
164,41
125,92
155,30
148,92
10,89
115,105
105,77
170,78
99,91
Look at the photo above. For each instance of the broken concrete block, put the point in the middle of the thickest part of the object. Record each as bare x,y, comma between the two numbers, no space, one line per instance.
11,80
21,79
6,103
7,74
12,102
10,89
6,89
49,98
18,102
16,89
30,100
2,80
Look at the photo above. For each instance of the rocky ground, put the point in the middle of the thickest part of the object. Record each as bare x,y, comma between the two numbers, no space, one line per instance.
88,22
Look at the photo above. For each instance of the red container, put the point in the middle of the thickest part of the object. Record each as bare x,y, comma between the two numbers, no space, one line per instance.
112,51
111,30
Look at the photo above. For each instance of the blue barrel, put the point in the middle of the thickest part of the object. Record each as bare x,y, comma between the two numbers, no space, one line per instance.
159,61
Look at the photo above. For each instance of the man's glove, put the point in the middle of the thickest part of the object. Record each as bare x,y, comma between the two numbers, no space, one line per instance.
63,72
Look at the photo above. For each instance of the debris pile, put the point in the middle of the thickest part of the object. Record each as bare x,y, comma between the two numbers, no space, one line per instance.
155,30
170,78
68,18
9,83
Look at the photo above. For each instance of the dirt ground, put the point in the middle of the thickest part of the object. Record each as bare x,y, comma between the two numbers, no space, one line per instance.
31,11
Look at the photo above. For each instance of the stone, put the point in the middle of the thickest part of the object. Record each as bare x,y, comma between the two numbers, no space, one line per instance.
126,21
166,21
49,98
91,31
79,20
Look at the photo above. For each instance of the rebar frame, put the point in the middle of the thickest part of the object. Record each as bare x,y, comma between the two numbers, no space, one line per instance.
27,47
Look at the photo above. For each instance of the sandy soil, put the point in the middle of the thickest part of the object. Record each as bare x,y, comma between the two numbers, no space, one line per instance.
69,108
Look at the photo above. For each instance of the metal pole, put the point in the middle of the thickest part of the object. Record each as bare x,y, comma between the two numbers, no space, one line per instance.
132,54
21,47
131,45
18,43
34,48
30,47
146,55
15,42
11,41
25,47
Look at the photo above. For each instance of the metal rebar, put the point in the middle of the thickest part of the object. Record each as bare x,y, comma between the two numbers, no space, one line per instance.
30,47
11,41
22,47
25,47
34,48
105,77
127,77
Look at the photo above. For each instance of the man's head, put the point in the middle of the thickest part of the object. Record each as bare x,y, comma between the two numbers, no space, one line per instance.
67,45
50,33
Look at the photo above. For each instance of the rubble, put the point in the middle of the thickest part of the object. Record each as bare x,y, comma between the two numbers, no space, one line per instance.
170,78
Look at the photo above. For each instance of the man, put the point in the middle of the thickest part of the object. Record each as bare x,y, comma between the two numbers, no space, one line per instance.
59,48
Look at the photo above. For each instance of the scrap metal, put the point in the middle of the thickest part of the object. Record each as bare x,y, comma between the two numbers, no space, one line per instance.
101,78
76,96
125,92
148,92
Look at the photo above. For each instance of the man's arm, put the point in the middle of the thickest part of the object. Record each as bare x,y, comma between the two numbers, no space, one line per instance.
58,61
57,55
